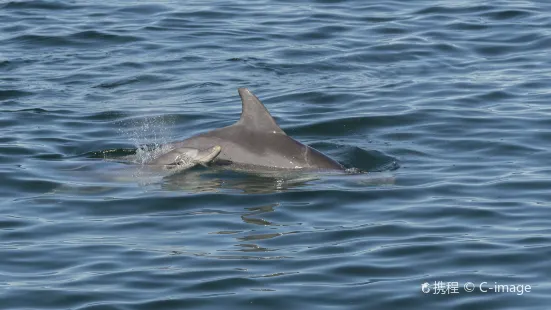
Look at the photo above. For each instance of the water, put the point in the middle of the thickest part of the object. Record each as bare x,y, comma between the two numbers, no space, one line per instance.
445,103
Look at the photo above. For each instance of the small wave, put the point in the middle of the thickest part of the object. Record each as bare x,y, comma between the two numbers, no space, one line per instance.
147,78
104,37
73,40
13,93
39,5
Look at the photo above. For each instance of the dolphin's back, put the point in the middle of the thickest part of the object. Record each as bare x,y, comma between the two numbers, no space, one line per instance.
270,150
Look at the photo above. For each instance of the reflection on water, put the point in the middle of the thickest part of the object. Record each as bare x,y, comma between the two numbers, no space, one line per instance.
200,179
259,230
216,179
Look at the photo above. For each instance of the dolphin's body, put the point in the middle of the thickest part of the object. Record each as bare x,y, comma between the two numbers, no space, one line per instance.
256,142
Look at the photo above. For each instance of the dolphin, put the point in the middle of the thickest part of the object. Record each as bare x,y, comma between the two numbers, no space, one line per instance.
255,142
183,158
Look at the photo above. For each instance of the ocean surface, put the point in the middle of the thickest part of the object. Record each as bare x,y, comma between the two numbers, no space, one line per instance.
444,105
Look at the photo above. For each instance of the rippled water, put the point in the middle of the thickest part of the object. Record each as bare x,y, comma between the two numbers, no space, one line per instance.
445,103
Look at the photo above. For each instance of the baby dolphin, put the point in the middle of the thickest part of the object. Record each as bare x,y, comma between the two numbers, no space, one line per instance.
183,158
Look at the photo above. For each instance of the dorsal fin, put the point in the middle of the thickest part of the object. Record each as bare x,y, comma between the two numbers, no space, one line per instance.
254,115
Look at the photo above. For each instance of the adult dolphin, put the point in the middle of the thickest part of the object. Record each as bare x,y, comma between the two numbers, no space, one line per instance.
256,142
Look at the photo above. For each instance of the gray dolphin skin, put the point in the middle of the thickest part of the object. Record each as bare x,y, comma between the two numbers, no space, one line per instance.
256,142
183,158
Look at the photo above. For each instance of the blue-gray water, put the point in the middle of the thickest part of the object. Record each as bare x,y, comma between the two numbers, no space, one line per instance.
445,103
